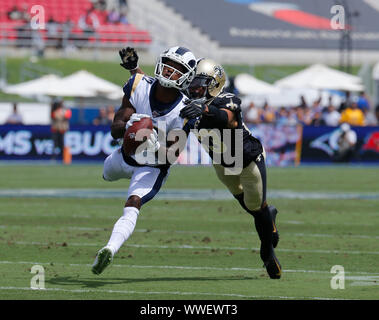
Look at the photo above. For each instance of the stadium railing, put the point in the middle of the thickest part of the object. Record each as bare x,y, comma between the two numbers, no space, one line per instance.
108,36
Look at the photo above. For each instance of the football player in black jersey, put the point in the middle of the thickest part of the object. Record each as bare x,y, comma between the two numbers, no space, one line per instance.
211,108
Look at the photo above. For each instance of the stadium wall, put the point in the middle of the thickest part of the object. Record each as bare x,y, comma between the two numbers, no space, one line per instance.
210,29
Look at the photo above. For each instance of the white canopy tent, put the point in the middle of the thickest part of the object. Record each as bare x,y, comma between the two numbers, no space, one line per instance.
319,76
78,84
247,84
49,85
292,98
90,82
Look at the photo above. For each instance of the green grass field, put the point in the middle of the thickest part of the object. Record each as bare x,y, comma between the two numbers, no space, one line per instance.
189,249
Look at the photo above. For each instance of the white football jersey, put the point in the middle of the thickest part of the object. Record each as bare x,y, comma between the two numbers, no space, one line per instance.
165,117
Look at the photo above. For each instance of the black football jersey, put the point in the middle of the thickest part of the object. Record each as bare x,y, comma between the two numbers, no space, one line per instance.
251,146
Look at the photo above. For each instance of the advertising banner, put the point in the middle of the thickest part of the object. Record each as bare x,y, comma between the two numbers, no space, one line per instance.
19,142
327,144
88,142
284,145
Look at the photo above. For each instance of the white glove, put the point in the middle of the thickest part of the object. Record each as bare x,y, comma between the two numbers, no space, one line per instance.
152,142
135,117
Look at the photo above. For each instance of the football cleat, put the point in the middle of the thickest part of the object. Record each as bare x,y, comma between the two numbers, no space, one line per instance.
103,259
273,267
275,232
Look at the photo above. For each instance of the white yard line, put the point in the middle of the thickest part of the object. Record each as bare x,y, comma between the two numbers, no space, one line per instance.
182,194
204,268
315,235
197,247
180,293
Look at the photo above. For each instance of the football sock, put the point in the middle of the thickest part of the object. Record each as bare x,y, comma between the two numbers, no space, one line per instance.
263,225
123,228
239,197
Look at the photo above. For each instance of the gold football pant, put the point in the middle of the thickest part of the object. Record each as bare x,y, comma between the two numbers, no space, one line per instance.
251,182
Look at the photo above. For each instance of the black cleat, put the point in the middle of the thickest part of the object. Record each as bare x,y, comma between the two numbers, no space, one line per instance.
273,267
275,232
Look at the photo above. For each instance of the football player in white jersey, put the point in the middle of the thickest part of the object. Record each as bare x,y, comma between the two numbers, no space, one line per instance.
161,99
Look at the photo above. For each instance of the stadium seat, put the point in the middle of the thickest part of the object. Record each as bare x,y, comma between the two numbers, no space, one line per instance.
62,10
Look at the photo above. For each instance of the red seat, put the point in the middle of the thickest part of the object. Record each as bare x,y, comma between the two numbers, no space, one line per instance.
63,10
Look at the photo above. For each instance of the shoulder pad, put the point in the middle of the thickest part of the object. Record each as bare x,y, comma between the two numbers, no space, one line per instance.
132,83
227,101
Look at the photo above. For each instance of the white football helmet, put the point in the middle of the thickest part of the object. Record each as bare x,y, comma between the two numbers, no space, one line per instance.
179,55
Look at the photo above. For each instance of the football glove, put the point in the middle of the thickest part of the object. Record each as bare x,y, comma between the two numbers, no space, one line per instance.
193,110
135,117
129,58
152,142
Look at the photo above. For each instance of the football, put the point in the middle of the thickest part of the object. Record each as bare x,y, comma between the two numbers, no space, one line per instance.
136,134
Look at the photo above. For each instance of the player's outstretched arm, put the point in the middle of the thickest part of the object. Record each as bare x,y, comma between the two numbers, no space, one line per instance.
129,60
121,117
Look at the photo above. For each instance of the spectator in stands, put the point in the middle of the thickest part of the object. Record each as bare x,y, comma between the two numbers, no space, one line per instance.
300,115
14,117
60,117
346,142
38,43
370,118
67,36
24,34
268,114
52,28
292,119
353,115
123,19
363,102
89,21
331,116
252,115
316,110
317,119
113,16
19,14
346,103
110,113
102,118
303,103
307,116
282,117
377,113
15,14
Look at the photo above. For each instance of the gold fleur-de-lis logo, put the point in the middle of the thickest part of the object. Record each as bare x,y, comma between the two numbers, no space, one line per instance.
218,71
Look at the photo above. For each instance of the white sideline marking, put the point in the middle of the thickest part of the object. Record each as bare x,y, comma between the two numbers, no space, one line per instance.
369,274
316,235
215,294
182,194
115,217
194,247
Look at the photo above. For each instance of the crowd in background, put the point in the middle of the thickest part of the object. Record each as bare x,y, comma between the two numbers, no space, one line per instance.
356,111
105,117
61,33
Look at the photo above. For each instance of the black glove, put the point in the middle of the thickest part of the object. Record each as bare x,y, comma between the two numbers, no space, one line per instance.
192,110
129,58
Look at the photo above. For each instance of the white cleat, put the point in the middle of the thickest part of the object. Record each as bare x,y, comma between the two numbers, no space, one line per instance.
103,259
